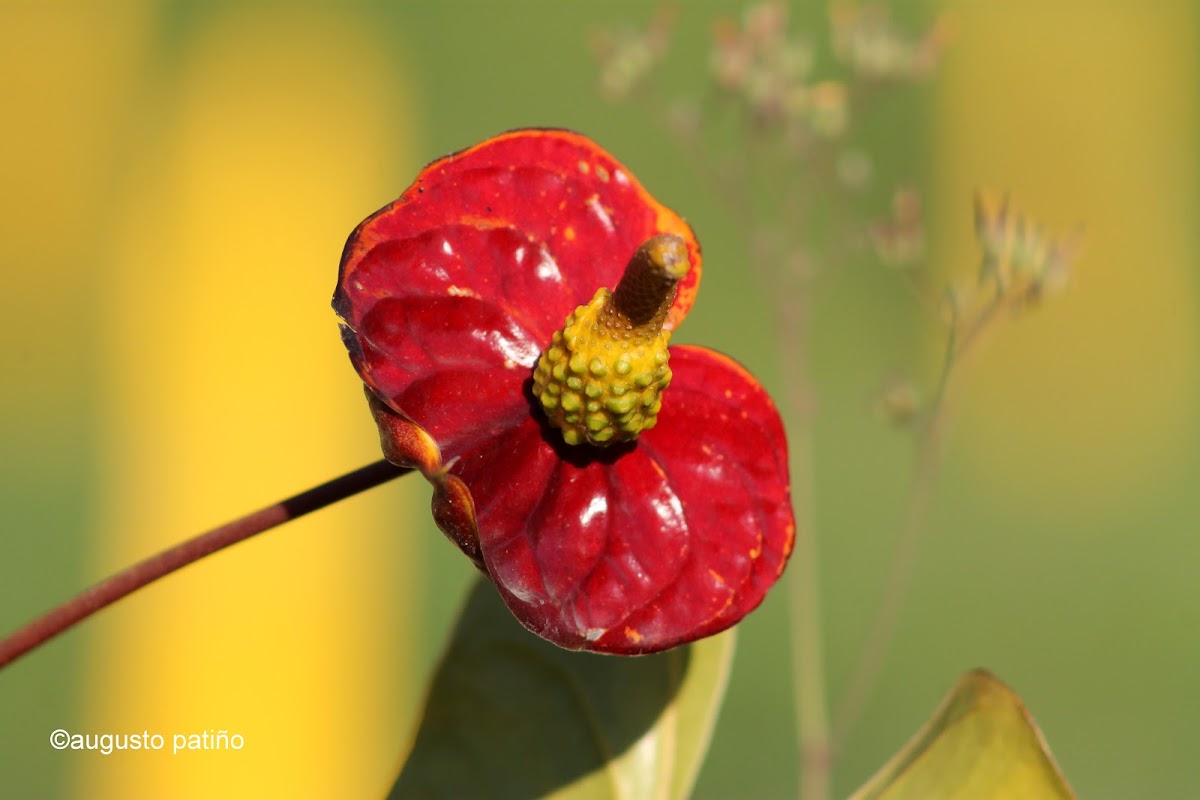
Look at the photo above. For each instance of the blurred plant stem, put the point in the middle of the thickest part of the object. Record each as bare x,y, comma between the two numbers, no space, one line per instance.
809,693
143,573
904,557
1020,266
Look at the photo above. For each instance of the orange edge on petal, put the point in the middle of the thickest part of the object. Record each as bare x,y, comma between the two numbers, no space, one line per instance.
730,362
685,292
791,542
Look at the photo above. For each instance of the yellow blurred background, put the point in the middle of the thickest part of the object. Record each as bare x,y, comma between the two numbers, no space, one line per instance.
1096,131
176,182
175,211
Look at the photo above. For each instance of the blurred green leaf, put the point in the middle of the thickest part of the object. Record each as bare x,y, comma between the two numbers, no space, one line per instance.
512,716
981,743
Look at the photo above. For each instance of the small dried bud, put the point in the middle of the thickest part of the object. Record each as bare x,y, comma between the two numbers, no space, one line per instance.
766,24
898,403
759,63
628,56
866,39
828,109
899,240
731,58
793,61
684,119
854,169
929,50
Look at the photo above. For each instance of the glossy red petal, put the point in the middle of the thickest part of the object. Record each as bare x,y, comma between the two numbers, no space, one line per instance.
638,548
467,275
722,448
454,366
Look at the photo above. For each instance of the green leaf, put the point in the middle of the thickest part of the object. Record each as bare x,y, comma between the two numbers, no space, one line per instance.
512,716
981,743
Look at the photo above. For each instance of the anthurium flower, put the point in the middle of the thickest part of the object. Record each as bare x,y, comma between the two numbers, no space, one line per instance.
510,316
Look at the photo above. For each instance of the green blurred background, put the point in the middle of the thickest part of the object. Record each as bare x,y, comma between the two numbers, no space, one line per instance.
177,182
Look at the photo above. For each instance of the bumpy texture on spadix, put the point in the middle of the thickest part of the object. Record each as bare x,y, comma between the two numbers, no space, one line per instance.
450,296
601,379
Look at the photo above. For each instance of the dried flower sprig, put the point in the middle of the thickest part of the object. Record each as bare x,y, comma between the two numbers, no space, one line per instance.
866,39
1024,262
627,56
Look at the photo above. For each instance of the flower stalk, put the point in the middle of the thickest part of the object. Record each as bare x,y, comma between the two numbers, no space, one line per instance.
130,579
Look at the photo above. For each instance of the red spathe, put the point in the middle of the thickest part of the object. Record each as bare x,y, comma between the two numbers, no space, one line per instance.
449,295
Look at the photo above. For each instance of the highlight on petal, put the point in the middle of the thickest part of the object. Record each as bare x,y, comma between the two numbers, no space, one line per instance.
475,266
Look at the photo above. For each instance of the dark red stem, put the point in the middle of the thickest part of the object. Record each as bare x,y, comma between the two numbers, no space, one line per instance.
130,579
